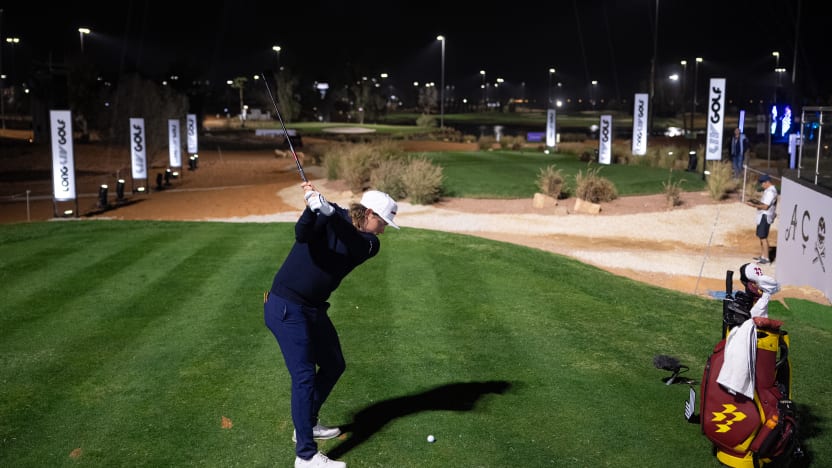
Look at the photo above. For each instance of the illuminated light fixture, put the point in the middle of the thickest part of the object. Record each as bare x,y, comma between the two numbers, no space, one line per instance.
120,190
102,196
692,161
140,189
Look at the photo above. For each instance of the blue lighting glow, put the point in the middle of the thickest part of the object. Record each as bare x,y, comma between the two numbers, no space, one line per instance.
786,121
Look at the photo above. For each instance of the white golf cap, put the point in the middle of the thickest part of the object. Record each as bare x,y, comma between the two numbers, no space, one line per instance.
382,205
753,272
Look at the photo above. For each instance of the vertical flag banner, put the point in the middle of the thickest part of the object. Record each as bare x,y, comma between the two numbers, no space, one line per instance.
551,130
715,120
192,135
605,140
174,145
138,149
641,101
63,159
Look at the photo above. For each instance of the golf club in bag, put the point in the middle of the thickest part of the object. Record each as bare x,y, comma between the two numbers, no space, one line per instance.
746,432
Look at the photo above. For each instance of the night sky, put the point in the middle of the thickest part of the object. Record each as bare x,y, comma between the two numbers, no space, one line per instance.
608,41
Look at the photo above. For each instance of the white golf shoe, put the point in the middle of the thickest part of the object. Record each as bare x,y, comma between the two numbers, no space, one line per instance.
319,460
320,432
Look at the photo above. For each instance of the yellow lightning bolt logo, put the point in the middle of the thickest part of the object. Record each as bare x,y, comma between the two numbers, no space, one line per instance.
729,415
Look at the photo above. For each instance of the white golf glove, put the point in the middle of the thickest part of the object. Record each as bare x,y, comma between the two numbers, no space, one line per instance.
317,203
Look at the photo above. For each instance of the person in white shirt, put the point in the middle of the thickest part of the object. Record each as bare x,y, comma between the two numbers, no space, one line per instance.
766,207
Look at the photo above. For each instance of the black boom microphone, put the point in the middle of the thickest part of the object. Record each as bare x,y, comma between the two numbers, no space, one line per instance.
669,363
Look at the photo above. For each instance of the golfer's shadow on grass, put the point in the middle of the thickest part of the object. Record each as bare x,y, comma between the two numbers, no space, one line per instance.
450,397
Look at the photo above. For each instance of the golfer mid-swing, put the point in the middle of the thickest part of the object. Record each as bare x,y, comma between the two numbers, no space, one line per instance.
329,243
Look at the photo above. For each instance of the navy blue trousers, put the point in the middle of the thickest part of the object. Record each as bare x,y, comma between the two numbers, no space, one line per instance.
313,356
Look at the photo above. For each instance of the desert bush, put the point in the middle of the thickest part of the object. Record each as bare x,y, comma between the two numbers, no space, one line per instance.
486,142
550,181
387,177
512,142
314,154
422,181
426,121
355,162
721,182
588,156
594,188
330,165
673,190
749,191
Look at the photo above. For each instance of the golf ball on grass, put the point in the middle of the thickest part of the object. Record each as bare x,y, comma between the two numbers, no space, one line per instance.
431,438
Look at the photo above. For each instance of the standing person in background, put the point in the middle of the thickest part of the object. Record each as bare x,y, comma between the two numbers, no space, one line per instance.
766,207
739,146
329,243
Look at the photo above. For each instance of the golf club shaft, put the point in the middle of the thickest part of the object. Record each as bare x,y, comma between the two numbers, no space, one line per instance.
285,132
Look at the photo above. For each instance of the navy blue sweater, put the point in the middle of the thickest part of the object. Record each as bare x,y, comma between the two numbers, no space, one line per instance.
326,249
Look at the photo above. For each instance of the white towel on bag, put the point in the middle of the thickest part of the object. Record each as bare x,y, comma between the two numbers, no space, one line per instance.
737,373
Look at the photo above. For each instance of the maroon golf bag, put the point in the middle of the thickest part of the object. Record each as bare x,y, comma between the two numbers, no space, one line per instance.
745,432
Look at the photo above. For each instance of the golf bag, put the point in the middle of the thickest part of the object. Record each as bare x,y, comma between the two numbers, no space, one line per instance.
750,433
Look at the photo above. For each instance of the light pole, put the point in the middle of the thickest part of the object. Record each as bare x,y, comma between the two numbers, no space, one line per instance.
442,83
592,95
693,103
549,95
13,41
684,64
776,55
484,96
276,50
2,78
81,33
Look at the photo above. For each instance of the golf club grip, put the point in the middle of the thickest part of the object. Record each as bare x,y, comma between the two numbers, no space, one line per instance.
285,132
729,282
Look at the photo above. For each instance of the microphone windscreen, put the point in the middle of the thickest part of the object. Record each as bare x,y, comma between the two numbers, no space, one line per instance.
665,362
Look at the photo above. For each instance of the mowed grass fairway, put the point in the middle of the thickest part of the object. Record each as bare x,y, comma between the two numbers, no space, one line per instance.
143,344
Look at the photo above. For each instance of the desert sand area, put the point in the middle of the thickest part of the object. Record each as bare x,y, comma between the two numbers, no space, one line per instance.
688,248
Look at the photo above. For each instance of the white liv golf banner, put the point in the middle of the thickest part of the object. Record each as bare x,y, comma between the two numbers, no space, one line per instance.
802,238
551,130
641,101
605,140
138,148
715,120
192,135
174,143
63,159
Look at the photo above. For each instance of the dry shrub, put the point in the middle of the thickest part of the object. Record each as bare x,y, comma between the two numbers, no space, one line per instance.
422,181
721,182
387,177
485,143
355,163
550,181
512,142
673,191
594,188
